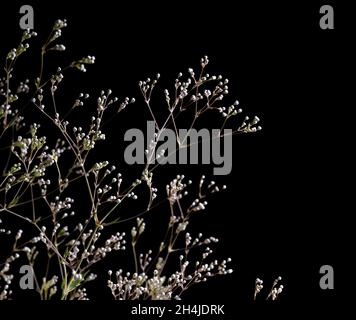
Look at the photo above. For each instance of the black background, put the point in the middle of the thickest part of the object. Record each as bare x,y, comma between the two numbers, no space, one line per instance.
283,213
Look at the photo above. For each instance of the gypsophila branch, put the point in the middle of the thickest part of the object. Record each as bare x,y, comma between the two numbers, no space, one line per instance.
70,234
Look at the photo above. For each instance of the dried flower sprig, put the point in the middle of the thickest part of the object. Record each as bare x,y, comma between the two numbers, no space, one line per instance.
37,184
273,293
150,280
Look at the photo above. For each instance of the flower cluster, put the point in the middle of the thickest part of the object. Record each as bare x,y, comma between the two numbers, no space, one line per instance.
274,291
150,280
41,178
6,276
